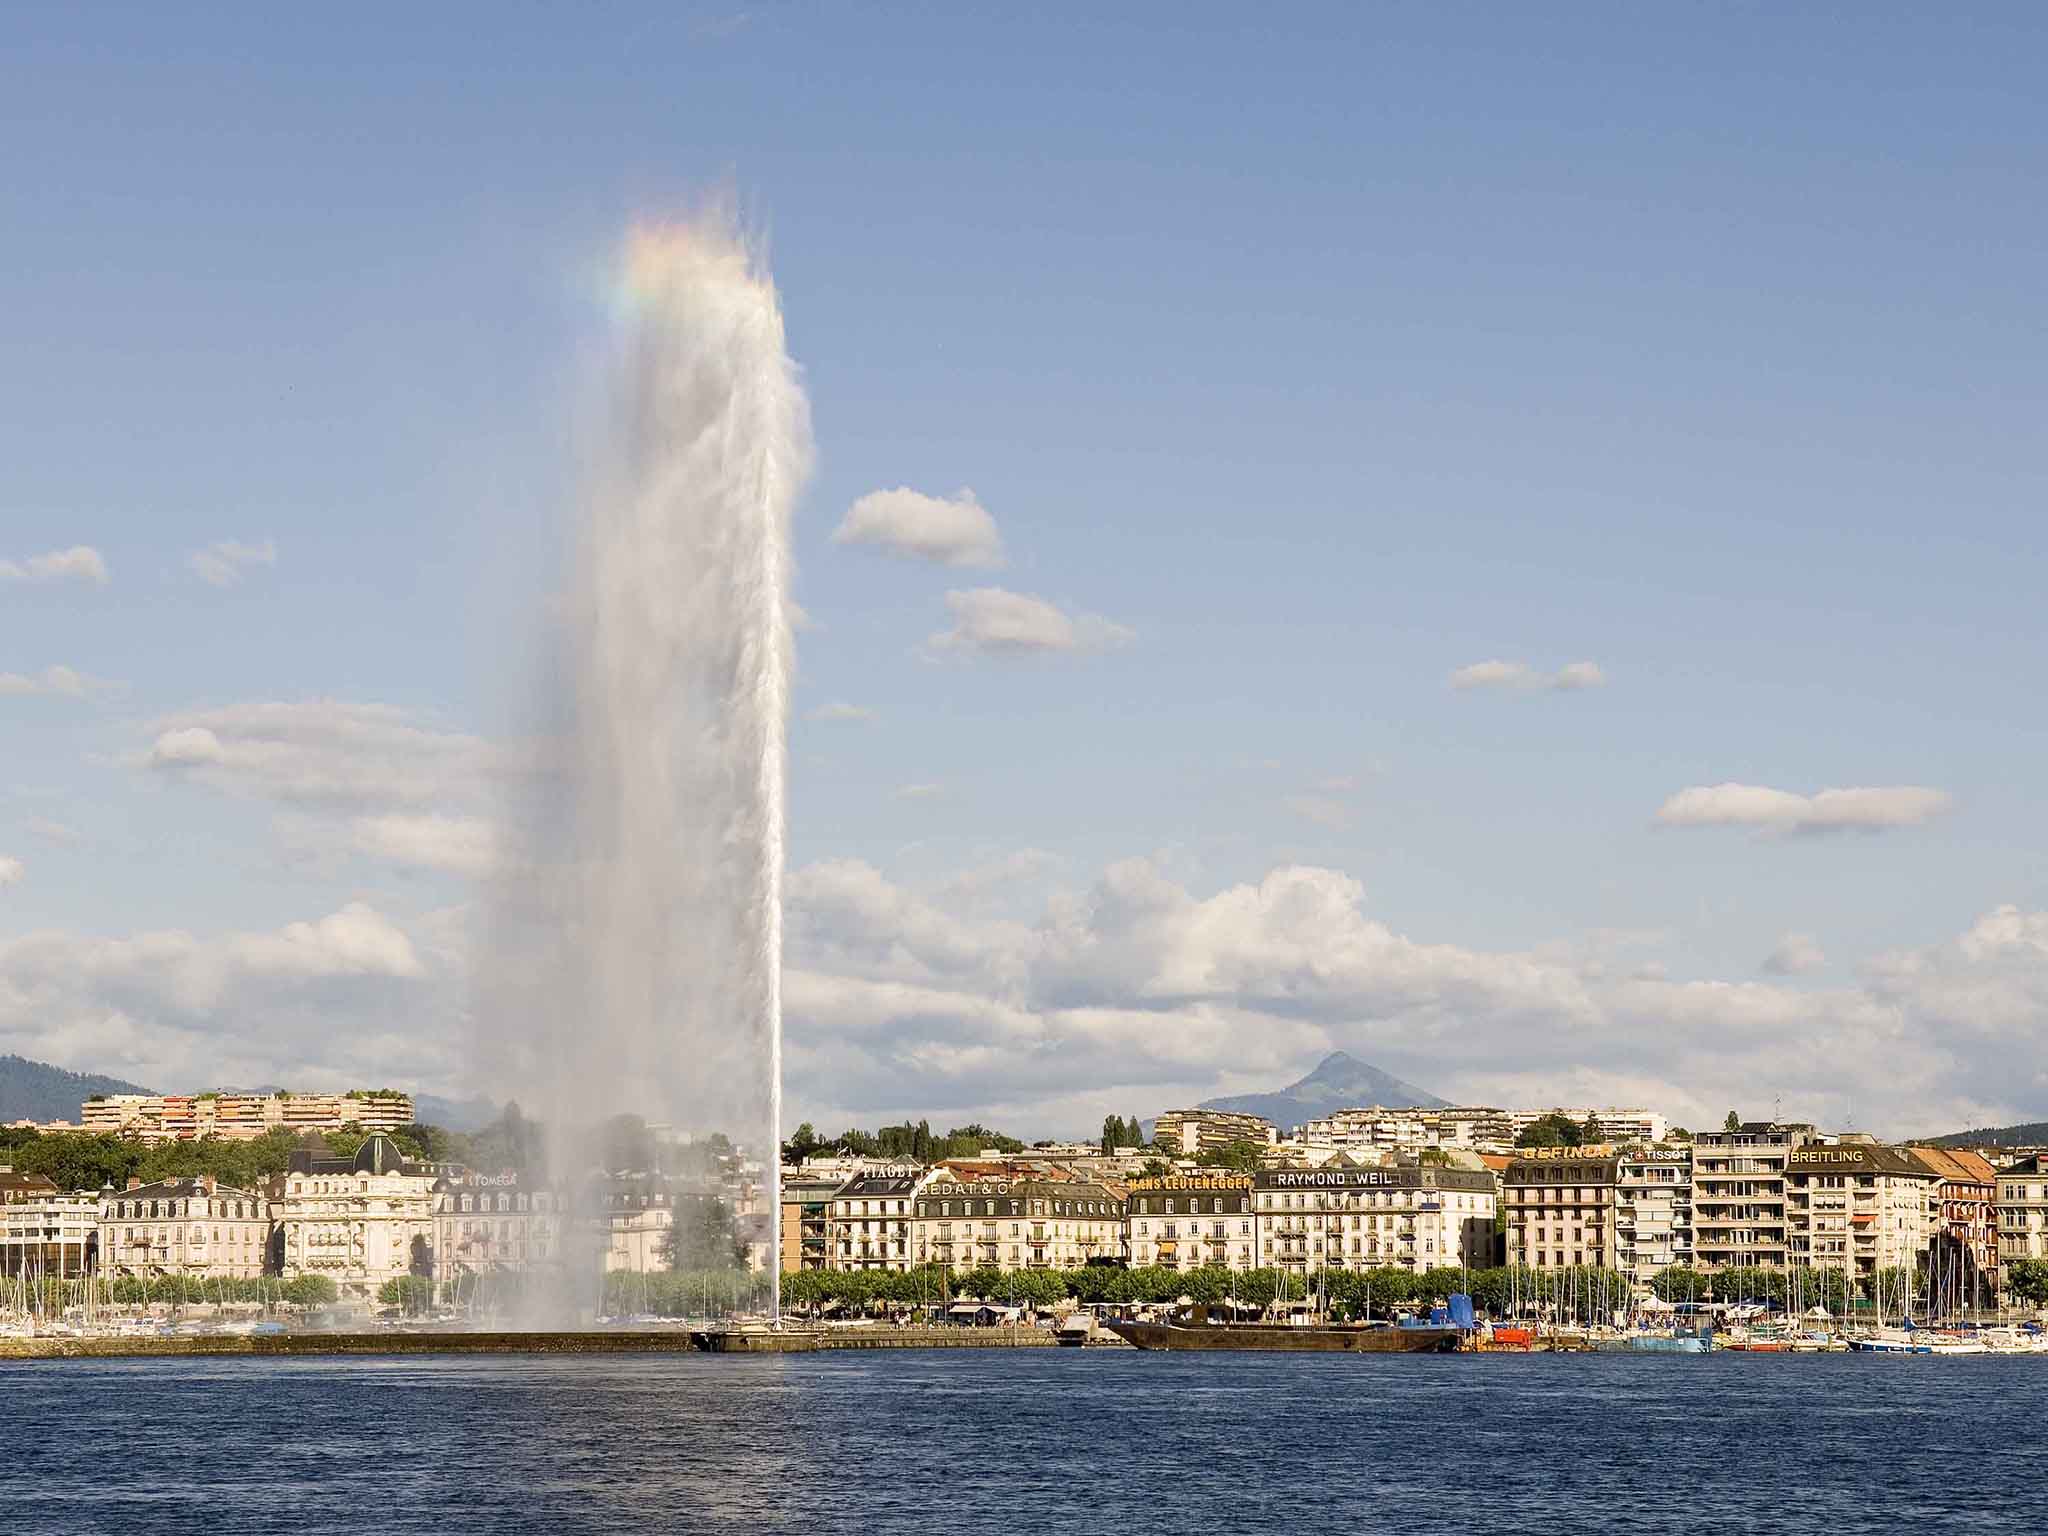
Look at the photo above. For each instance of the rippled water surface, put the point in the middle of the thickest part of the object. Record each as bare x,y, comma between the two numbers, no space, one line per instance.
1028,1442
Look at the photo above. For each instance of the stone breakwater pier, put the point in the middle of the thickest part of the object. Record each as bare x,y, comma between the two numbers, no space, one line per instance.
591,1342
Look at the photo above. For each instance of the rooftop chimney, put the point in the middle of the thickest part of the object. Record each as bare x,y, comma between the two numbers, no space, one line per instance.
133,1182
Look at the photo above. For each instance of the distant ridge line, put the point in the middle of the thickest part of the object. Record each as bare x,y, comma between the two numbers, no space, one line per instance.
2029,1133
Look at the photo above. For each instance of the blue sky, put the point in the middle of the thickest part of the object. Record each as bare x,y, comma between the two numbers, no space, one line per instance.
1326,355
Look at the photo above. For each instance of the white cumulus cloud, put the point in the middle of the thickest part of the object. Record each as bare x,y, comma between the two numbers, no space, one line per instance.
955,530
334,1001
223,564
1141,993
992,621
1830,810
1520,676
81,562
11,870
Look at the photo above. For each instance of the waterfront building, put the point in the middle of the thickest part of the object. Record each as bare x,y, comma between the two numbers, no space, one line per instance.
1966,1240
192,1227
657,1221
1191,1221
804,1232
490,1222
1652,1210
1190,1132
1858,1208
1343,1216
870,1221
1738,1193
43,1230
241,1116
1561,1207
17,1187
360,1220
2023,1209
1027,1223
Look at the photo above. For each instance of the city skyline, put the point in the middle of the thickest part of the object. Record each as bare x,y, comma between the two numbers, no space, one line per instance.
1528,577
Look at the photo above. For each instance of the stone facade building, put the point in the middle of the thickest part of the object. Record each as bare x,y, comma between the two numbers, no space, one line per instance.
870,1222
1858,1208
1342,1216
1192,1221
1561,1205
2023,1210
1022,1223
361,1220
490,1222
192,1227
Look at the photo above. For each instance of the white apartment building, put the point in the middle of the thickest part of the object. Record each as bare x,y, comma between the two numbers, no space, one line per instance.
2023,1210
1188,1132
1191,1221
1858,1208
359,1220
44,1231
1738,1194
1341,1216
1377,1128
194,1227
1017,1224
871,1219
1652,1211
241,1116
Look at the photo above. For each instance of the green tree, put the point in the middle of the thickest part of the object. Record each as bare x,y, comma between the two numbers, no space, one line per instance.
703,1235
1733,1122
1551,1130
1590,1131
414,1293
309,1291
804,1143
1242,1156
2028,1280
347,1141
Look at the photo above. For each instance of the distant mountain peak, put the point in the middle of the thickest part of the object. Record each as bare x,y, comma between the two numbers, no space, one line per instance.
1339,1081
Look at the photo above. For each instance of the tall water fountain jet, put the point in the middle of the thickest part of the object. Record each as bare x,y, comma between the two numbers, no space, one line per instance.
636,955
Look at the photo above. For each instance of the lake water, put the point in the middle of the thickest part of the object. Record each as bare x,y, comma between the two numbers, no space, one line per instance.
1027,1442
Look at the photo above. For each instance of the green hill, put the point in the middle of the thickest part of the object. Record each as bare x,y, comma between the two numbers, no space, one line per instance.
34,1090
2034,1133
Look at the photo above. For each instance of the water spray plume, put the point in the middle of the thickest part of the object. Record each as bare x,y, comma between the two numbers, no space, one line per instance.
638,957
